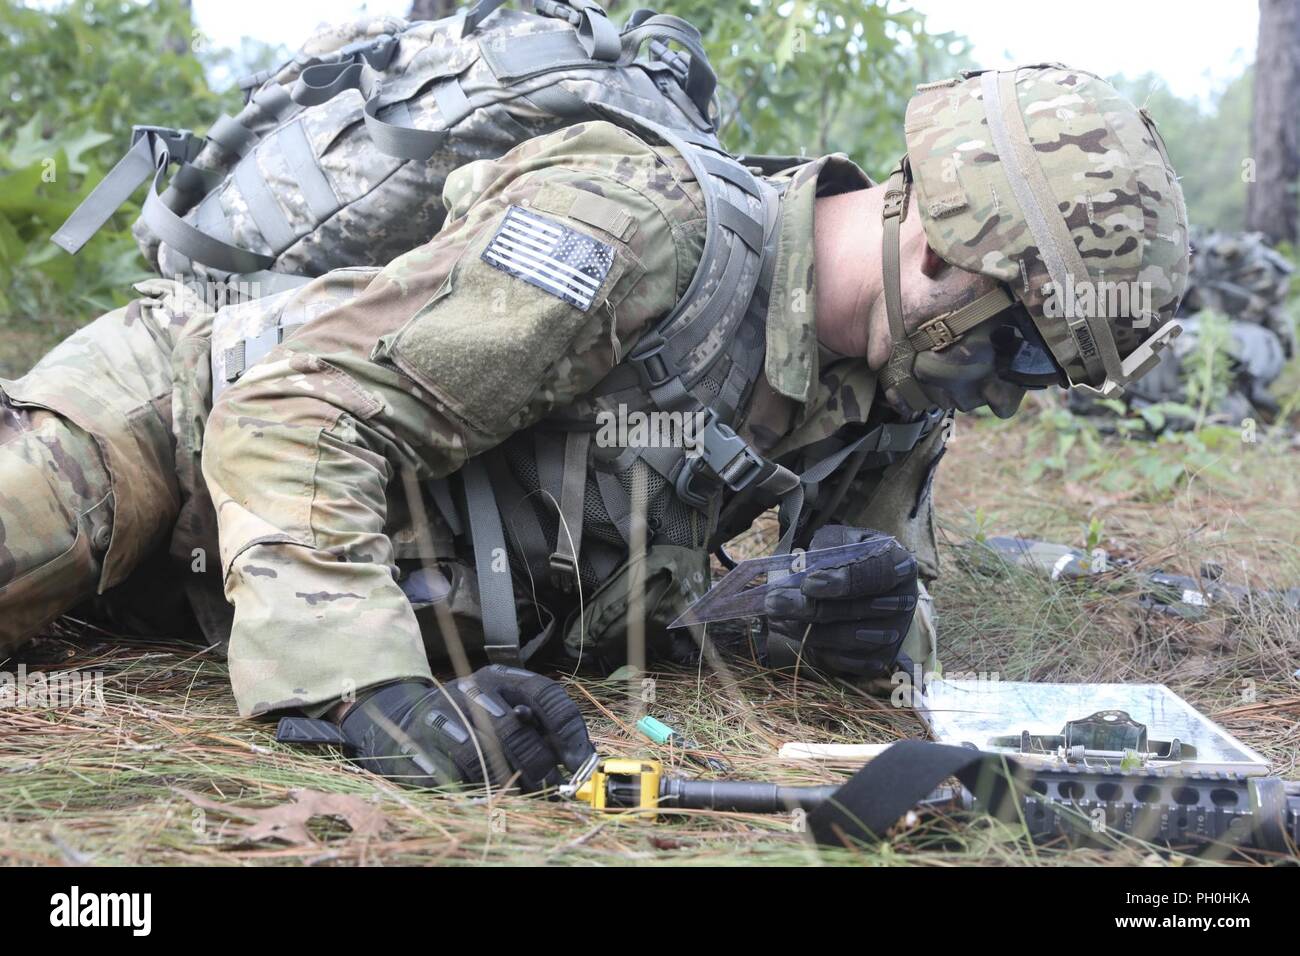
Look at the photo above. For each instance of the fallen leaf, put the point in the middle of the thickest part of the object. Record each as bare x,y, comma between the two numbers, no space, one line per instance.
287,822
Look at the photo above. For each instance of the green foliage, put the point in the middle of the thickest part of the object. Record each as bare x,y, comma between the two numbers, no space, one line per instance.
1208,368
809,78
78,76
1063,445
1207,144
1094,534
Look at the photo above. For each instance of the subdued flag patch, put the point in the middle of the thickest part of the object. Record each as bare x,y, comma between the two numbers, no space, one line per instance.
568,264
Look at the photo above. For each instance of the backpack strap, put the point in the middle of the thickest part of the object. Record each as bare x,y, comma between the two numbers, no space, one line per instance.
646,26
153,149
496,592
149,144
596,33
573,489
195,243
718,321
321,83
878,446
477,14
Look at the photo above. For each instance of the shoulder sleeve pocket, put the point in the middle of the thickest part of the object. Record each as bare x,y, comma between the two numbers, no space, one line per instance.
518,328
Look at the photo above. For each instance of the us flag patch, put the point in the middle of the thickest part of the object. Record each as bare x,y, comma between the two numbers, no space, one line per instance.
568,264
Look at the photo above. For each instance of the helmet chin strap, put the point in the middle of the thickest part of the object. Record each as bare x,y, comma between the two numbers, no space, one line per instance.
937,333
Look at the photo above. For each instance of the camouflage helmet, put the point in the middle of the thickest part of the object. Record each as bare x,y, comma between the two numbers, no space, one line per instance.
1048,180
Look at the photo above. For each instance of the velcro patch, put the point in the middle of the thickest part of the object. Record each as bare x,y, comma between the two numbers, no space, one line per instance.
568,264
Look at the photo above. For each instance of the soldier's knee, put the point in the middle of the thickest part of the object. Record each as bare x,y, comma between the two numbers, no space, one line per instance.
56,513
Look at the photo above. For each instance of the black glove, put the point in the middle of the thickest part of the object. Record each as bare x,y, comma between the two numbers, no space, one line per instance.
854,616
419,736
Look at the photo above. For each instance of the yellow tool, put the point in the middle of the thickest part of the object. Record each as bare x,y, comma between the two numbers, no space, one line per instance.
618,783
622,783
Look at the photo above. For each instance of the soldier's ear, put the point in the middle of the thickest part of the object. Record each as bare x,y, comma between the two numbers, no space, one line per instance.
931,263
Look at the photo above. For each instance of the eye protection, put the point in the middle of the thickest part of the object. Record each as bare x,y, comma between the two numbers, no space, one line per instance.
1022,356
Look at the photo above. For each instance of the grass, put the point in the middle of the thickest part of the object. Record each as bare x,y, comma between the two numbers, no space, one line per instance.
114,785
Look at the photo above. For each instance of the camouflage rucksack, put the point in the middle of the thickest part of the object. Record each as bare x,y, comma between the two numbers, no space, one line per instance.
1238,275
339,156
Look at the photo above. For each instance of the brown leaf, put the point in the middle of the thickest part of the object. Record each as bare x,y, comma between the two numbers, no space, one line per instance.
287,822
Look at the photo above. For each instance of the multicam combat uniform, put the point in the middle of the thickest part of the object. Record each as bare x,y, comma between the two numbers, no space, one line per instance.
316,460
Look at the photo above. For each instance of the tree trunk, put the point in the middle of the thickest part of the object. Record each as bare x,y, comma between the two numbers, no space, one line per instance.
1271,206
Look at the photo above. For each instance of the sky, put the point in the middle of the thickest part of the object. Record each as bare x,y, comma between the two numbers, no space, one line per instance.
1195,45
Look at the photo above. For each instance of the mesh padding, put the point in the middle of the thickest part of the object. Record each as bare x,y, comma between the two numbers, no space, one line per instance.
668,519
597,528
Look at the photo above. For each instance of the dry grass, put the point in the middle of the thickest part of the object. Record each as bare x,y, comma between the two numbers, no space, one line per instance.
108,787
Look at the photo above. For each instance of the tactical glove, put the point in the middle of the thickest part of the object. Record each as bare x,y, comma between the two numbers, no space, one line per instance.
850,619
501,720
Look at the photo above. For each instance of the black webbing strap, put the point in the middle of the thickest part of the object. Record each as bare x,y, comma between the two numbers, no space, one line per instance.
496,592
573,488
519,518
864,809
440,492
851,468
895,439
886,438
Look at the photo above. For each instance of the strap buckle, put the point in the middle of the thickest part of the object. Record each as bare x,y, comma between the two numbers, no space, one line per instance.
663,53
564,570
940,334
377,52
894,203
181,144
725,459
653,368
694,486
507,654
558,10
